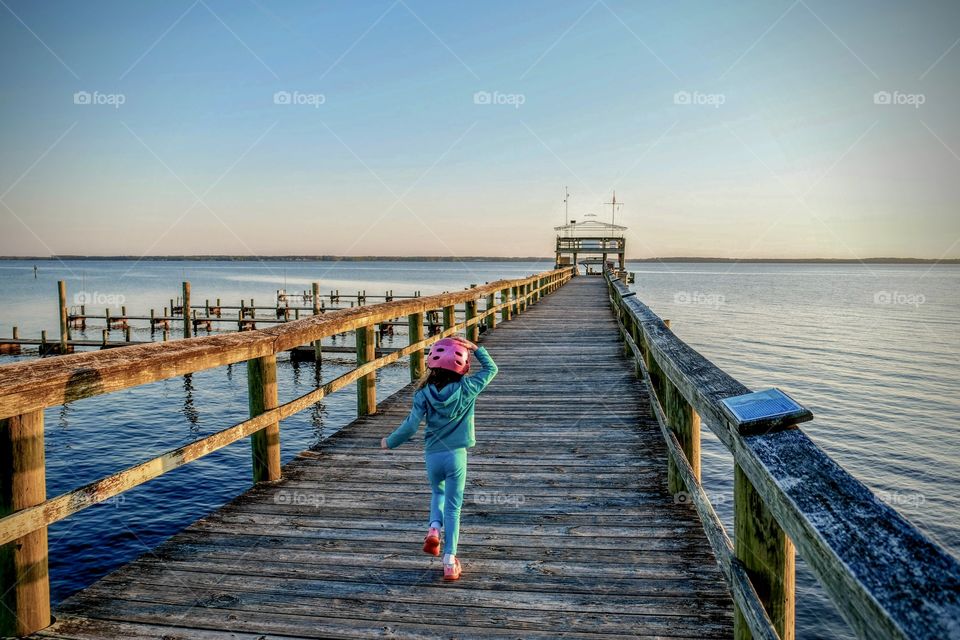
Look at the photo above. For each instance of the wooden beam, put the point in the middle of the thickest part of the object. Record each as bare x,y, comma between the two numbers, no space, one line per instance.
473,331
415,329
768,556
187,329
367,385
265,443
24,578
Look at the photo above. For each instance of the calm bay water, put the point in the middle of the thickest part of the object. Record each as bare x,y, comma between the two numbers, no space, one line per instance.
873,350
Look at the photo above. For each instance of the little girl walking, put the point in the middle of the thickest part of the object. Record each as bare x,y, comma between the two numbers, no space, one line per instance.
446,398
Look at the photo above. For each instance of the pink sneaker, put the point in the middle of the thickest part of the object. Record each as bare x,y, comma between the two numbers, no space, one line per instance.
452,572
431,544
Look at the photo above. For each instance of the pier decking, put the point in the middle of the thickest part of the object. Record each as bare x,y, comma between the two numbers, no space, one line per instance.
569,529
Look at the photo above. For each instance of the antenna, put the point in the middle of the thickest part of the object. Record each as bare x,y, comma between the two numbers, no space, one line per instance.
613,208
566,206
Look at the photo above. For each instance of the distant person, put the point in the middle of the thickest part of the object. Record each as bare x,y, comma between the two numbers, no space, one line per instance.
34,272
446,398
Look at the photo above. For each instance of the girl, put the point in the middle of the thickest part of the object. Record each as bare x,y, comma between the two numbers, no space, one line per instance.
446,397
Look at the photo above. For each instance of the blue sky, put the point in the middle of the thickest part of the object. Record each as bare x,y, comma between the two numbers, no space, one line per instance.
747,129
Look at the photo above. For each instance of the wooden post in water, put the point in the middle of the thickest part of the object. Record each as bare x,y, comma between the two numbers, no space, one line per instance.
449,317
491,318
186,310
317,350
64,329
265,443
366,385
768,555
415,329
25,582
473,331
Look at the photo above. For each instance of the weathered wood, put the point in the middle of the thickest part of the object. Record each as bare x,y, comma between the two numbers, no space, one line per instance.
768,556
366,385
24,581
317,344
685,424
64,325
505,305
470,312
415,330
265,443
490,313
449,316
187,329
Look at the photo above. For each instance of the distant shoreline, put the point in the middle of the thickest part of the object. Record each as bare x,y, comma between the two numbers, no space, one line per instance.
327,258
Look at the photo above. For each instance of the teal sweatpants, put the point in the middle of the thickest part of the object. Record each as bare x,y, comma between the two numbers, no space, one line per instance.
447,473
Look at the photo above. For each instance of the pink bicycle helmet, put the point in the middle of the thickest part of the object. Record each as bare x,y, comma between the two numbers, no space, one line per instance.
449,354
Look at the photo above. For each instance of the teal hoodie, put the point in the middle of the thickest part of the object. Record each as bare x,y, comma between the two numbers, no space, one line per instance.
448,411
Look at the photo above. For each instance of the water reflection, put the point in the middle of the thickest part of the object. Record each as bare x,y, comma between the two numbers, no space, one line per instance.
189,410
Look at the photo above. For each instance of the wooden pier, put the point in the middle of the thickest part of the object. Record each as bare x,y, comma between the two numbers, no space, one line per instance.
584,515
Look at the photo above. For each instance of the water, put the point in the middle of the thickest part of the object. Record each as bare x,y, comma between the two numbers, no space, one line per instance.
872,350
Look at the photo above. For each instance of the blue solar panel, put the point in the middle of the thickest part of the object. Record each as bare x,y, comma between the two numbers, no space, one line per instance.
764,406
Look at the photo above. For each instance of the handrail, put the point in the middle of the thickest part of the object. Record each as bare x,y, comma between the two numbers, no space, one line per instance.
27,388
885,577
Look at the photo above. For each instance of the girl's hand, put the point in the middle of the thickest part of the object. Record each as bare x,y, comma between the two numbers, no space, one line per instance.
383,443
466,344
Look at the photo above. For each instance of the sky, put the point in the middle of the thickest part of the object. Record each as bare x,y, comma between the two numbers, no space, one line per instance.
746,129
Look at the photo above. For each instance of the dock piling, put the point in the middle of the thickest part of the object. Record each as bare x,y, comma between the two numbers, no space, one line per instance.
265,443
25,583
64,328
187,329
366,385
415,329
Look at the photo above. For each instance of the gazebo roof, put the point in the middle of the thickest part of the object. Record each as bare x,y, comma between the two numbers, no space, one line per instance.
594,227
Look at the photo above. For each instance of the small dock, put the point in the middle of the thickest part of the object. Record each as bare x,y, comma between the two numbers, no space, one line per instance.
569,529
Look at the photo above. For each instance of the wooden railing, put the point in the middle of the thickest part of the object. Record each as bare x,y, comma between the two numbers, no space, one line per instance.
884,576
27,388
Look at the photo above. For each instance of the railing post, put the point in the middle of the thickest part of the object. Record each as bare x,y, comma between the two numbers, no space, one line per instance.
415,329
64,325
25,599
515,306
315,298
367,385
768,555
505,301
491,318
685,424
473,332
186,310
265,443
449,317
